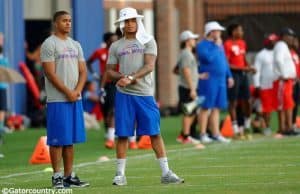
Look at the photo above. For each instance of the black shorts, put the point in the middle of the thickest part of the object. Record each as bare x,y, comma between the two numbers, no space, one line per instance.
240,90
109,104
184,97
3,100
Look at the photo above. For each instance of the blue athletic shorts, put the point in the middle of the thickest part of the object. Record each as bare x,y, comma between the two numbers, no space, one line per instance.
65,123
215,94
136,112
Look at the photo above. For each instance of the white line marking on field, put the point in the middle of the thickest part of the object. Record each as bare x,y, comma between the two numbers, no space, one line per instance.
93,163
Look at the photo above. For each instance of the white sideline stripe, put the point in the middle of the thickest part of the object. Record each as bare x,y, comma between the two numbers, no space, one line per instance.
238,144
93,163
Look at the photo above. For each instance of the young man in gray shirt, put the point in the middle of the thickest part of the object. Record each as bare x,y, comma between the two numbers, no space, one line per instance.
135,106
65,75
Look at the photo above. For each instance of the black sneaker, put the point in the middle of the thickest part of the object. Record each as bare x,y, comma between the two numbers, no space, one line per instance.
57,181
290,132
74,181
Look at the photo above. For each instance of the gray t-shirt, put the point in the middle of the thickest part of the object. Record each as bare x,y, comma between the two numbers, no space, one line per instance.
65,54
129,54
187,59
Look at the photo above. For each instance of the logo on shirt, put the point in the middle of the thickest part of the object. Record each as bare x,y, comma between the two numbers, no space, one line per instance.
131,49
237,50
67,52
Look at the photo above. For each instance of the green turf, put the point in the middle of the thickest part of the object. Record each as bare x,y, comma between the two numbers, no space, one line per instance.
263,165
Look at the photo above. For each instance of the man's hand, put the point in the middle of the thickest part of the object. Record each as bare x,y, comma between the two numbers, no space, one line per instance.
123,82
193,94
250,69
73,95
230,82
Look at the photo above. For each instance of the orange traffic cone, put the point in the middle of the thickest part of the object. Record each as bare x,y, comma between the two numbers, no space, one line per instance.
145,143
227,130
298,122
41,152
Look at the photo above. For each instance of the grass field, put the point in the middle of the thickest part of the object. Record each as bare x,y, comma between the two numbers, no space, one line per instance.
263,165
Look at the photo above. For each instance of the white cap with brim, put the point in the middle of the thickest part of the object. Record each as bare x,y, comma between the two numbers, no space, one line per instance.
186,35
211,26
127,13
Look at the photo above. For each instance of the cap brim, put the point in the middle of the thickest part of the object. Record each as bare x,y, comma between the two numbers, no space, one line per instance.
127,18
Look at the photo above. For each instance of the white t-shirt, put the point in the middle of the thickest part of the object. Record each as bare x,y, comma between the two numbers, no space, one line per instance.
264,64
283,62
66,55
129,54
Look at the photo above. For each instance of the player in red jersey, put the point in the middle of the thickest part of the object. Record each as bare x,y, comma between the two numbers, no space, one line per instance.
107,88
235,49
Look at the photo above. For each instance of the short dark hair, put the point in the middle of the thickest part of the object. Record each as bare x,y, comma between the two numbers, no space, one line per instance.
107,36
58,14
231,28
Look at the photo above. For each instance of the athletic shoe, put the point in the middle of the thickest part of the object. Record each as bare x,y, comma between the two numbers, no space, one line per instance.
133,145
119,180
194,140
290,132
205,139
221,139
74,181
179,138
110,144
57,181
171,178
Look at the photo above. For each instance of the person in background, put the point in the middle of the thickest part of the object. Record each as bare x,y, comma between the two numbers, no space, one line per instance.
285,71
212,59
3,98
91,100
296,90
235,49
264,79
188,81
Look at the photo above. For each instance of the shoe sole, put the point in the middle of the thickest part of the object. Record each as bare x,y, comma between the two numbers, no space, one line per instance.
115,184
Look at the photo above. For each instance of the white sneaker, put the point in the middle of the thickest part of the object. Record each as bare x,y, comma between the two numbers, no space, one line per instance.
205,139
119,180
171,178
222,139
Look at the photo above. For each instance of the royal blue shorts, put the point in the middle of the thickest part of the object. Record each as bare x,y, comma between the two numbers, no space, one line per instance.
215,94
65,123
136,112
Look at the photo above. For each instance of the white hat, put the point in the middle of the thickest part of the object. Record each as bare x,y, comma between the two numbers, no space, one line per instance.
185,35
128,13
211,26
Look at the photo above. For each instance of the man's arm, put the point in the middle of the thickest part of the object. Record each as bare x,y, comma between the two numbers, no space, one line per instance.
82,76
49,70
89,65
112,73
149,64
188,77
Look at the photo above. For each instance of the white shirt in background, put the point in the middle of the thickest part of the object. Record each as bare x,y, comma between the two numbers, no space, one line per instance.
283,62
264,64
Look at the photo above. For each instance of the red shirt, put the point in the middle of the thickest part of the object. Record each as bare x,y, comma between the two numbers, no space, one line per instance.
236,52
296,60
100,54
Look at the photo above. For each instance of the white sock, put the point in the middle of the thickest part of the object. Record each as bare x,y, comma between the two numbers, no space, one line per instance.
57,174
247,123
132,139
111,133
235,127
163,162
121,163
